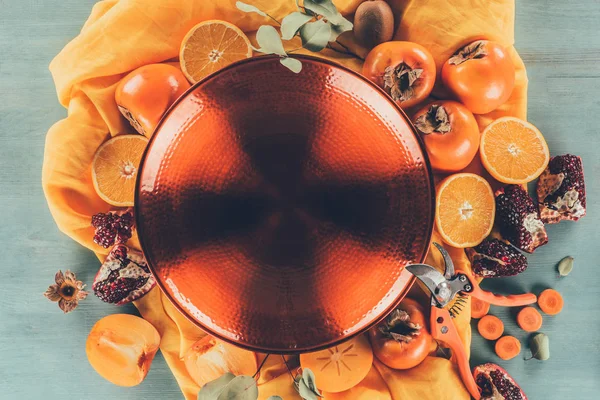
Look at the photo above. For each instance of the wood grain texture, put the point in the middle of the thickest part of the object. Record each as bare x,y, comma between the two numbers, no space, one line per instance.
42,352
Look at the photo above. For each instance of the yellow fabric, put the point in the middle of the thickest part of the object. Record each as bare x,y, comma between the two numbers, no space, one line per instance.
122,35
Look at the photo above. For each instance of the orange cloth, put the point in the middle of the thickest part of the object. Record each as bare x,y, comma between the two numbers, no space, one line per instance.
122,35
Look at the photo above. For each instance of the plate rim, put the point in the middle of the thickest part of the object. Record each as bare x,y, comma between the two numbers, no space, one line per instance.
340,339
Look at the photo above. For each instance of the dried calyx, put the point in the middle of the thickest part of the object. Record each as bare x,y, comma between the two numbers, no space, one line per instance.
434,120
400,80
399,328
471,51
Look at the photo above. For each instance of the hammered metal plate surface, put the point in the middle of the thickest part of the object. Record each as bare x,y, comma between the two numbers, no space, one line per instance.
278,210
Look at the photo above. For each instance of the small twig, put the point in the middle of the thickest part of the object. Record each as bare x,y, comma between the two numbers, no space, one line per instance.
274,19
288,367
293,50
261,365
345,51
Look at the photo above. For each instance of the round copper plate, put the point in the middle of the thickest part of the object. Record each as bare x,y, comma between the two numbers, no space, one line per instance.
278,210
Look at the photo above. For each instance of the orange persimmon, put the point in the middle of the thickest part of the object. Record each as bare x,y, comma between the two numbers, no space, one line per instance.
490,327
121,347
209,358
450,133
529,319
340,367
405,70
146,93
508,347
479,308
402,340
481,75
550,302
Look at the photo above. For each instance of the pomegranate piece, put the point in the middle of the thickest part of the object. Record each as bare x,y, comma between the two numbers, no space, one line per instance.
121,347
561,190
496,384
124,276
112,228
493,259
519,218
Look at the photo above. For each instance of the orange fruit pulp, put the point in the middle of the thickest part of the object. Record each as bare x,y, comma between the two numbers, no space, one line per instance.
115,168
210,46
465,209
513,150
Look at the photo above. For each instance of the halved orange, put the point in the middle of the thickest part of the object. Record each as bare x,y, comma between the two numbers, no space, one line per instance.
465,210
513,150
210,46
115,168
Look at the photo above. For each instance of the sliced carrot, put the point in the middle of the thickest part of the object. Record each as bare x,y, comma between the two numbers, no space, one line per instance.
479,308
529,319
551,302
490,327
508,347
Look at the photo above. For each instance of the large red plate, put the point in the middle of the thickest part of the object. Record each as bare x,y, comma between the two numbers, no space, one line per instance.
278,210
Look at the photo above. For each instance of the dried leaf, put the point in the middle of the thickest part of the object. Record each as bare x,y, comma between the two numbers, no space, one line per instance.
540,346
469,52
315,35
292,23
213,389
292,64
240,388
565,266
269,41
249,8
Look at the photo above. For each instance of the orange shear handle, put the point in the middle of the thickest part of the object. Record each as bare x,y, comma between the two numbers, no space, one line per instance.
443,330
514,300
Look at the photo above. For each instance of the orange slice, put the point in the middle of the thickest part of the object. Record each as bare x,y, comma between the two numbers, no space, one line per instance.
115,169
465,210
513,150
210,46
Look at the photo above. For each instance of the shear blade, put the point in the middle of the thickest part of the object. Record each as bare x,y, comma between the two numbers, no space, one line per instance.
430,276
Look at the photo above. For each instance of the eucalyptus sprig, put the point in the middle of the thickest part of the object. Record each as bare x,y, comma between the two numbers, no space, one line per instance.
317,22
243,387
306,385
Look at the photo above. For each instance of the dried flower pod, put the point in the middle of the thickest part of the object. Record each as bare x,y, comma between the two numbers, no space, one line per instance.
540,347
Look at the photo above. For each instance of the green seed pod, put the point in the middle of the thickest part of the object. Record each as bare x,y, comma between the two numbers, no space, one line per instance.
373,23
540,346
565,266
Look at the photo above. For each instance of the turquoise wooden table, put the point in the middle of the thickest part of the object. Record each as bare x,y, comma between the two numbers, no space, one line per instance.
42,351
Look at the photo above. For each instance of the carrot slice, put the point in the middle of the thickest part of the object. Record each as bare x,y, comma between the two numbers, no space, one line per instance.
508,347
490,327
479,308
529,319
551,302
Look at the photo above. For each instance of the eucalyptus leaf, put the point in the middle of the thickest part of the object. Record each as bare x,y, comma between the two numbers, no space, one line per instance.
249,8
213,389
565,266
292,64
315,35
309,378
305,392
275,398
240,388
540,346
339,25
269,41
292,23
325,8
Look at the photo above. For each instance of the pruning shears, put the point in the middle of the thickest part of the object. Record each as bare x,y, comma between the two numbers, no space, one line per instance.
444,288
